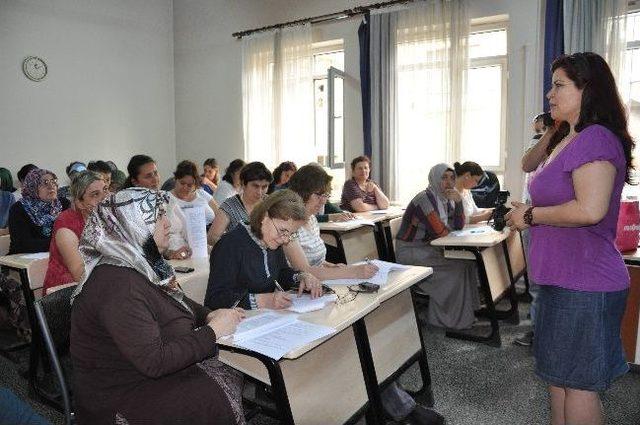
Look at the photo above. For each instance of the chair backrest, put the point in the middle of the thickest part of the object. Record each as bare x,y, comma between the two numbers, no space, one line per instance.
486,192
394,225
5,241
53,313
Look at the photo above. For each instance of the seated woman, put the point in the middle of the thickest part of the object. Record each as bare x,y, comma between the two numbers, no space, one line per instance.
307,252
7,199
248,264
187,192
103,169
468,174
281,176
255,178
431,214
65,263
143,172
31,218
142,351
361,194
230,184
211,176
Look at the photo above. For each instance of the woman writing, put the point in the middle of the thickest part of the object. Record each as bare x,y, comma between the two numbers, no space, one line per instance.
582,165
468,174
210,176
248,263
281,176
65,263
361,194
142,351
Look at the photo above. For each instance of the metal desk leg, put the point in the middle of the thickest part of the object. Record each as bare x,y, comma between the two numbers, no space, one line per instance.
375,412
512,314
426,391
493,338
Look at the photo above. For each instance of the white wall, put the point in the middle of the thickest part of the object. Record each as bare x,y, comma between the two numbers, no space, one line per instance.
109,92
208,71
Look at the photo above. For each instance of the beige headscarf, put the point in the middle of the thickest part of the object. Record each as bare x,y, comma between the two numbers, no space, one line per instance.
120,232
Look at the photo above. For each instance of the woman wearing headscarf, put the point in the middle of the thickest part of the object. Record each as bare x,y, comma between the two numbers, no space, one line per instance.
142,351
432,214
31,218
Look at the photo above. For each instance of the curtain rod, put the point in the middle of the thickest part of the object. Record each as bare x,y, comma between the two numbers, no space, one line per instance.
335,16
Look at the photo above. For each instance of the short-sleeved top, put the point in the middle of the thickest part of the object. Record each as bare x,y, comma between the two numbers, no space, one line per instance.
57,272
469,205
579,258
202,199
311,242
351,191
235,210
225,190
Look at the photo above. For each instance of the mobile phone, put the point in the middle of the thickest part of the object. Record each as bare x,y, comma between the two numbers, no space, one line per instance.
182,269
368,287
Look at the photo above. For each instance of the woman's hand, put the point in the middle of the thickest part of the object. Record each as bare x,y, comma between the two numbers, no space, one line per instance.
365,271
310,283
515,217
371,186
225,320
276,300
181,253
343,216
452,195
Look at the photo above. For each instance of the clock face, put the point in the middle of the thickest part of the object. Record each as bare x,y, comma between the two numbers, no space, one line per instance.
34,68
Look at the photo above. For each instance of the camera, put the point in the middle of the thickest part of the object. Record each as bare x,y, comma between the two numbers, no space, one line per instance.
547,120
500,210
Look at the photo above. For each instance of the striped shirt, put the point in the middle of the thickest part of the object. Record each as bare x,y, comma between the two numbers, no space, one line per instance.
235,210
421,220
351,191
311,242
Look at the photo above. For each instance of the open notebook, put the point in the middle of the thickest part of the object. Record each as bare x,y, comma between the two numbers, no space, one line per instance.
275,334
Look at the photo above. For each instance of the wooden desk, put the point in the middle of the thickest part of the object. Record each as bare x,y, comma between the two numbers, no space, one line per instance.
193,284
630,330
491,253
384,239
349,242
309,383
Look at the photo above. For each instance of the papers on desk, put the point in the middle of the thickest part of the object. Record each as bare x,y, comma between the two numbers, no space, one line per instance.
479,230
196,231
275,334
350,224
305,304
380,278
36,256
387,211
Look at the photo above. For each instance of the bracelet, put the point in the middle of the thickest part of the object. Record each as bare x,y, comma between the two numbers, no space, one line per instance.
528,216
297,277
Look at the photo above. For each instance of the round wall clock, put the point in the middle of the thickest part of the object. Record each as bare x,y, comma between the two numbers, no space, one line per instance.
34,68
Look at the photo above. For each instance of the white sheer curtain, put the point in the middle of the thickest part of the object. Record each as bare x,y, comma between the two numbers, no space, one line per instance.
277,96
432,56
597,26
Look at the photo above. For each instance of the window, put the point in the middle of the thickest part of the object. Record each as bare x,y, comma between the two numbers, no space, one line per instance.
329,152
630,85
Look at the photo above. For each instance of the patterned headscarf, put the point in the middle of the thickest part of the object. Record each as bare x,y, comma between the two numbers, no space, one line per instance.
42,213
120,232
435,177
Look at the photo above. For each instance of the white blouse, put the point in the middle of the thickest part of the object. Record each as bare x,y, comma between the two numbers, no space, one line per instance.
202,199
469,205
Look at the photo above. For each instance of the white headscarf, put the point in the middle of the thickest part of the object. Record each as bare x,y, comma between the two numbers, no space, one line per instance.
120,232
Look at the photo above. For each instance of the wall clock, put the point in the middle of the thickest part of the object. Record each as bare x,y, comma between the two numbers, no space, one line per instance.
34,68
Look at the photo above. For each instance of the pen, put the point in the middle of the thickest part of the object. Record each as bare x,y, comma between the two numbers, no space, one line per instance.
235,304
278,285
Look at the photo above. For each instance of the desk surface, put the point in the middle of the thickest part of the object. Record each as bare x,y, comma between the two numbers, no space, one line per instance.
193,284
480,240
345,226
390,214
632,257
21,261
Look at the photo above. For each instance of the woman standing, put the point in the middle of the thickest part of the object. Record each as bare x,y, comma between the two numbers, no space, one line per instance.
31,218
142,351
361,194
87,190
575,199
431,214
468,174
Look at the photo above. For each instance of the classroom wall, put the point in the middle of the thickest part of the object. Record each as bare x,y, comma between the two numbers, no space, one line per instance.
109,92
208,71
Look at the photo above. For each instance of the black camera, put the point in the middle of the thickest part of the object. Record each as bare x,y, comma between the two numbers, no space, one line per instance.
500,210
547,120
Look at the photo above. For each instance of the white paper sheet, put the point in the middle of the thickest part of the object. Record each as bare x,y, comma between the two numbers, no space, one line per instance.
261,323
380,278
479,230
305,304
196,231
349,224
36,256
284,339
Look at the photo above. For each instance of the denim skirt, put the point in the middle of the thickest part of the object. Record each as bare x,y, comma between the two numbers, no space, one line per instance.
577,338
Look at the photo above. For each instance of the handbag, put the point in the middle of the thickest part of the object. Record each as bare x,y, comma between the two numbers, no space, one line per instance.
628,229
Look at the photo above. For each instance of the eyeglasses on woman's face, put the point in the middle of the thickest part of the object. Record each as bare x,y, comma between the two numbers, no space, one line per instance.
284,234
52,181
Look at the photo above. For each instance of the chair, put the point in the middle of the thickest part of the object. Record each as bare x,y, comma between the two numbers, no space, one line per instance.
53,314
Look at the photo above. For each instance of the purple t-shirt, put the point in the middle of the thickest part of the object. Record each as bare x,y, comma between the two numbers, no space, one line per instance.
579,258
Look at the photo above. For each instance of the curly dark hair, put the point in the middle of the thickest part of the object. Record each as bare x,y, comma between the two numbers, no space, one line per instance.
310,179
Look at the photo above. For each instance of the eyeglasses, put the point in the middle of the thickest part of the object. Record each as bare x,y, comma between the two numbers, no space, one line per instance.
284,233
49,182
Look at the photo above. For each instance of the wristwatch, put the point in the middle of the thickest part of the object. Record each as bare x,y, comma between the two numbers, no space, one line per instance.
528,216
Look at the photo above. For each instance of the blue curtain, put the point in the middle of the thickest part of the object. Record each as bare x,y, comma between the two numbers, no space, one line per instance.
553,41
365,86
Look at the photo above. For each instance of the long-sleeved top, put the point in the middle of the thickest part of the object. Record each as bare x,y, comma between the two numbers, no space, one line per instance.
241,267
131,344
421,220
27,237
